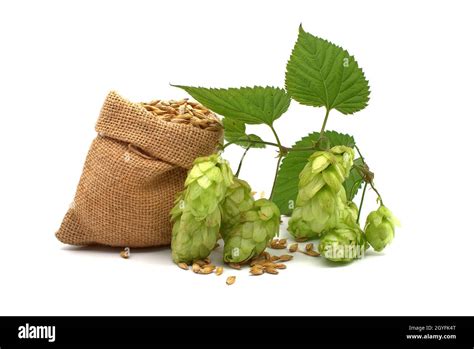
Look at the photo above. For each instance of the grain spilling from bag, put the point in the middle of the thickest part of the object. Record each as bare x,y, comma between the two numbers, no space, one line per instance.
265,263
196,268
183,266
285,258
125,253
311,253
278,244
293,248
230,280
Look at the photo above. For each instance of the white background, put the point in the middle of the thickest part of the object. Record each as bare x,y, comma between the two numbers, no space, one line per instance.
59,59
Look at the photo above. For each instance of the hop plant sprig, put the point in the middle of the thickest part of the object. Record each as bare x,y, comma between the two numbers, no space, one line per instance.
321,201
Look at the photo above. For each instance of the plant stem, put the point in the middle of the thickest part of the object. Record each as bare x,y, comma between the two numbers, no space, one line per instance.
276,175
378,194
370,182
361,202
302,148
286,149
358,152
250,141
241,160
280,156
323,127
276,136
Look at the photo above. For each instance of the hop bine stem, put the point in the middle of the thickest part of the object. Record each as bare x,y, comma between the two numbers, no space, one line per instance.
285,149
368,176
282,151
323,127
361,202
241,160
250,141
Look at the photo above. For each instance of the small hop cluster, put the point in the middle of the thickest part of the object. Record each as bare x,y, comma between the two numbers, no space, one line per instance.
322,210
215,203
321,197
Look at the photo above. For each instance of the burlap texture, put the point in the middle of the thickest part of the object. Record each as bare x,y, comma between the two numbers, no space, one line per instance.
134,168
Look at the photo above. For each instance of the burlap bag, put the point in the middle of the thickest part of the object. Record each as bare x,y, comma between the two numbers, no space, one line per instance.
133,170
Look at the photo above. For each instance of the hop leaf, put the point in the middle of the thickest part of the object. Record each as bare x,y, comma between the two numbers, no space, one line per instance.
250,105
235,133
321,74
353,183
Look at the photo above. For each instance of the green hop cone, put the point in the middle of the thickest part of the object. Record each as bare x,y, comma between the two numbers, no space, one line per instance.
238,200
196,216
194,239
321,196
350,213
206,185
250,236
319,214
380,228
343,244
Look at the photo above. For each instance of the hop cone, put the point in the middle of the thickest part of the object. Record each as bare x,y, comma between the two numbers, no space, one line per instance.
194,239
380,228
349,215
250,236
196,216
321,195
238,200
206,185
343,244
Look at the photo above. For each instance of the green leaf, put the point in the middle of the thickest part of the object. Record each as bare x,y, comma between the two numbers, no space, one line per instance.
336,138
234,131
250,105
321,74
353,183
286,187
